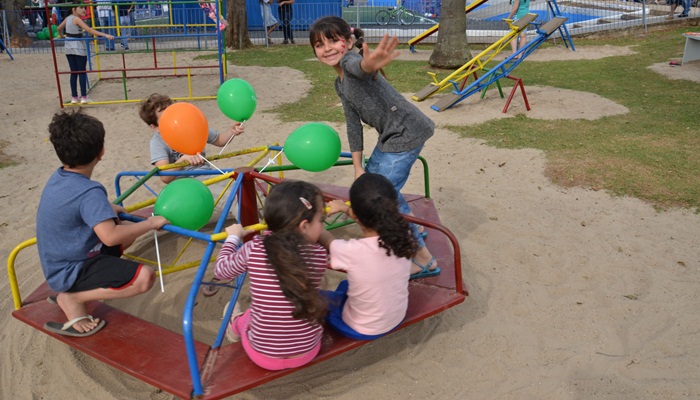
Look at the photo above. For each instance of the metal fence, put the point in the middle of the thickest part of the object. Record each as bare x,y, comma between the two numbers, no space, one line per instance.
188,27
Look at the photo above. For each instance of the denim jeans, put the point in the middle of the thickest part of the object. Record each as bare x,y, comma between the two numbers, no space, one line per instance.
124,21
396,167
77,63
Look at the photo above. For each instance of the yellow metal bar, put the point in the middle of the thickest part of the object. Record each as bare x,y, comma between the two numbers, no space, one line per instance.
16,296
174,64
469,8
189,81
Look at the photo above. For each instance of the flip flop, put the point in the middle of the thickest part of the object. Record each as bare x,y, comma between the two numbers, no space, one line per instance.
68,330
232,337
425,272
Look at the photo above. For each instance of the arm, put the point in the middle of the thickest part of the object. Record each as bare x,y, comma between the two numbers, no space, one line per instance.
89,30
516,4
232,259
112,234
357,163
61,27
381,56
236,129
325,239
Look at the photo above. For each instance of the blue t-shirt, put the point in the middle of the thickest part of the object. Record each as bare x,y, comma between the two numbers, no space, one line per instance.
70,206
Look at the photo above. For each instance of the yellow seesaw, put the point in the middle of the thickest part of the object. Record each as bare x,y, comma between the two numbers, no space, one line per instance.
477,63
469,8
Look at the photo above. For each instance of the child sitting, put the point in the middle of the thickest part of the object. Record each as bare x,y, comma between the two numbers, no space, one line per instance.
79,238
374,298
161,154
282,328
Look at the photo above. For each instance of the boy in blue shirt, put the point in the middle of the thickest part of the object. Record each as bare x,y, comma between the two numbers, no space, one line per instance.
79,237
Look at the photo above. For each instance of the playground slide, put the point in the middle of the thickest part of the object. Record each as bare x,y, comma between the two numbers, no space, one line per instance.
504,68
477,63
435,27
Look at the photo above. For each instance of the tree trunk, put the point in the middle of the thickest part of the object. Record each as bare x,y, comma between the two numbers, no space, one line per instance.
16,30
237,36
451,49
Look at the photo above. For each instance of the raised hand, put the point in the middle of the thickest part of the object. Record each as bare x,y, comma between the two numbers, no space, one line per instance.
381,56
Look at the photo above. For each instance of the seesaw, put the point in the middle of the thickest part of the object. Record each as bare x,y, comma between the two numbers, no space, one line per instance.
477,63
501,70
188,368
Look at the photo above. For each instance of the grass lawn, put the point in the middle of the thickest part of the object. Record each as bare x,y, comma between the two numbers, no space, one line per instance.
651,153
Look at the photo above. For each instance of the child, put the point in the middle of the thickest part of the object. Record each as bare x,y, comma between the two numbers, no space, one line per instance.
520,9
76,50
269,20
79,238
210,10
282,328
367,97
161,154
374,298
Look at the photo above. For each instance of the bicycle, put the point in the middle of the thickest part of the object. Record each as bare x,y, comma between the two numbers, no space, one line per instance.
400,14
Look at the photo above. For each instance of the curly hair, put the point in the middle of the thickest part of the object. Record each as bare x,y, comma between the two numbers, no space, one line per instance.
149,107
374,202
284,211
77,138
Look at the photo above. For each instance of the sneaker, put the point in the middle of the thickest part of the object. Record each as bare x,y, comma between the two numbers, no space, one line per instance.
285,41
292,40
85,100
682,15
75,100
125,48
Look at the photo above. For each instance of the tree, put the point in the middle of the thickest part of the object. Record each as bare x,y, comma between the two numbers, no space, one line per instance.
451,49
237,36
13,12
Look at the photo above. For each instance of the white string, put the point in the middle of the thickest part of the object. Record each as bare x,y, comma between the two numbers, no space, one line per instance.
270,161
205,159
160,270
230,139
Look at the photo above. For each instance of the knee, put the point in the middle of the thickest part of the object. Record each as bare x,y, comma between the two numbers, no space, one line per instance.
145,280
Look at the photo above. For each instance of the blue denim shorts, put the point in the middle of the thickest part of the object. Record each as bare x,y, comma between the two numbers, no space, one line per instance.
396,167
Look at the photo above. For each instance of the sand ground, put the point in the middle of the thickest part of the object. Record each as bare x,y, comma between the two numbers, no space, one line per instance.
574,294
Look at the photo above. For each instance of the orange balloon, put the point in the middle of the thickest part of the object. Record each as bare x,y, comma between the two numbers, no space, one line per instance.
184,128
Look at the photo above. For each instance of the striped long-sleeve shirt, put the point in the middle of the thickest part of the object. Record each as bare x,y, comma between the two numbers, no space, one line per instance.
272,331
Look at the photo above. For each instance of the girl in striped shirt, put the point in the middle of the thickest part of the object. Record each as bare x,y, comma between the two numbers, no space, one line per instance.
282,328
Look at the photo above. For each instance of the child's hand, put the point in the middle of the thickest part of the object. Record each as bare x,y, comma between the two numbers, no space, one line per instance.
237,230
336,206
110,37
381,56
237,128
193,160
157,221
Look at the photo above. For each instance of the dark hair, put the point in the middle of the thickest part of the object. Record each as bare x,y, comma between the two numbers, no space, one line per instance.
375,203
76,4
77,137
149,107
334,28
284,211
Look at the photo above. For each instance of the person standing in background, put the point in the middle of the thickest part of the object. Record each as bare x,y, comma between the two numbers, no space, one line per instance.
286,14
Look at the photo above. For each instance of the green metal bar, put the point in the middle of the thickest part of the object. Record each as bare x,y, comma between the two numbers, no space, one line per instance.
138,184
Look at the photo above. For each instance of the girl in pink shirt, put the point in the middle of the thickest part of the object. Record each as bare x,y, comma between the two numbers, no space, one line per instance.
282,328
374,298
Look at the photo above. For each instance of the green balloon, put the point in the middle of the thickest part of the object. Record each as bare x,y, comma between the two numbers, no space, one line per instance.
41,35
236,99
313,147
54,30
185,202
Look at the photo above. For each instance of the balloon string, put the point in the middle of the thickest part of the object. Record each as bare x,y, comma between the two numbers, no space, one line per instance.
270,161
229,140
160,270
208,162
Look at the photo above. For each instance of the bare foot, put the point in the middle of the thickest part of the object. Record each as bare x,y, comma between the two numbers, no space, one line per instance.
423,257
74,309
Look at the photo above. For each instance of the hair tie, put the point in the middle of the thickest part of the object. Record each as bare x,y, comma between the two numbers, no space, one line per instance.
352,30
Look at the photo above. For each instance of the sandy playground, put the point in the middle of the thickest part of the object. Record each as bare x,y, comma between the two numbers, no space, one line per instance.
574,294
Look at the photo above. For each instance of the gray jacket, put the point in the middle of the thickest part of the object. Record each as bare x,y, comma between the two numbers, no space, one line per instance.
401,125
